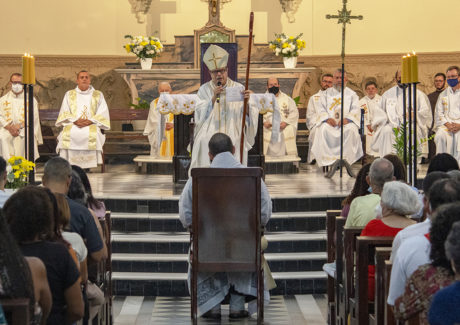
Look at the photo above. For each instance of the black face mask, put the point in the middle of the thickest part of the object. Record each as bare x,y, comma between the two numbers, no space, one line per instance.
399,83
274,90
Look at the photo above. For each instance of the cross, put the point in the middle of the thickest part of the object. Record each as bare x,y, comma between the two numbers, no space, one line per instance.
214,59
214,7
344,17
7,103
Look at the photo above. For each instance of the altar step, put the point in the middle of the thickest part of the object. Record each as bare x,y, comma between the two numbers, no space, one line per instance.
149,253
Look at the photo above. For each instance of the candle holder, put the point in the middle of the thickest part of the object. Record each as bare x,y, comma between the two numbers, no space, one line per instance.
28,78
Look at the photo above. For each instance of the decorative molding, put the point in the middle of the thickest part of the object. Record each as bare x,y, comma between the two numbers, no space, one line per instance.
140,8
70,60
290,7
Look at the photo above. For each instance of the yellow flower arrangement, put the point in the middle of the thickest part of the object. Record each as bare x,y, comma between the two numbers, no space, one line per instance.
287,46
144,46
18,171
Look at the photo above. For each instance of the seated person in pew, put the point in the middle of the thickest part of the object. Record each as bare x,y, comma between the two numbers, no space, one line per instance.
27,277
160,128
30,224
286,146
442,162
218,286
361,188
429,278
363,208
444,308
397,203
84,113
415,251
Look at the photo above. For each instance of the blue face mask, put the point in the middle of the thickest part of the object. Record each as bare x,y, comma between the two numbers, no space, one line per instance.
452,82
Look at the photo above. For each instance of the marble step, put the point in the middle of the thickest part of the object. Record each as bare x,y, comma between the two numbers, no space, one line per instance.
281,221
278,262
178,242
174,284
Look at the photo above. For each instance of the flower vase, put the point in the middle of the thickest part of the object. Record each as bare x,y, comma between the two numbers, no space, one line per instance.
146,64
290,63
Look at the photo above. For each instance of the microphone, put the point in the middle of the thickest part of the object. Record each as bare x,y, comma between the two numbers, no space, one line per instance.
218,95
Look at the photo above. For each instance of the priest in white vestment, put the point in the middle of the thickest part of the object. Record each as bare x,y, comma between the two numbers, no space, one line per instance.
313,112
392,104
286,144
214,287
83,114
160,127
447,116
326,146
12,133
379,133
214,113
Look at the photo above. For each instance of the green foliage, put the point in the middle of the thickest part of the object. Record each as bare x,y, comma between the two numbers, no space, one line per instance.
399,143
297,100
141,104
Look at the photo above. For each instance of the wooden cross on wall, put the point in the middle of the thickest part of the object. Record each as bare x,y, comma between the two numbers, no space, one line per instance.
344,17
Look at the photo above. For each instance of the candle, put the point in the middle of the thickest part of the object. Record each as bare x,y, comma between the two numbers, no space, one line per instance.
413,68
404,69
25,69
31,70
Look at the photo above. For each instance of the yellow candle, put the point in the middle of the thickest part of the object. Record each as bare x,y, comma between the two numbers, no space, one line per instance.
25,69
31,70
408,68
414,68
404,70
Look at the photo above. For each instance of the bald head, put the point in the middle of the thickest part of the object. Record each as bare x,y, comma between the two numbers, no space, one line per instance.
337,79
164,87
273,86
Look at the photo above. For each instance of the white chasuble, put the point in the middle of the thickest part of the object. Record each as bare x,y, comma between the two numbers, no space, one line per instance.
447,111
392,104
285,145
312,120
83,146
161,141
12,111
326,145
380,141
225,117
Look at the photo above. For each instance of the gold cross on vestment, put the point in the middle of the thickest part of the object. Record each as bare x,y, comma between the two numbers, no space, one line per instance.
344,17
7,103
337,101
214,59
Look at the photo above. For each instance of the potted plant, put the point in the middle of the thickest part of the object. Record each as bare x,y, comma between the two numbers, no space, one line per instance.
288,48
18,172
145,48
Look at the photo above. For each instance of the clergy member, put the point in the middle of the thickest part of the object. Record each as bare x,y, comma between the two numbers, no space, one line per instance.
326,146
214,287
447,120
313,111
439,85
392,104
160,128
379,134
214,113
83,114
286,146
12,121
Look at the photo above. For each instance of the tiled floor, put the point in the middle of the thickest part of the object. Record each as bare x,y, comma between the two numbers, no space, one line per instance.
297,310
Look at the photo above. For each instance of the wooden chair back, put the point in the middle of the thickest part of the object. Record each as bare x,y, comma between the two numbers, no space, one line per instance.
349,249
226,228
365,256
381,255
16,310
331,216
389,316
339,262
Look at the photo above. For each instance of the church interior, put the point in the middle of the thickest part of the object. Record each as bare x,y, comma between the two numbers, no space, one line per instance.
140,179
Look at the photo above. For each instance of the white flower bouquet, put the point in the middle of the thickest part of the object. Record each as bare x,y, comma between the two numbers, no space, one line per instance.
144,46
287,46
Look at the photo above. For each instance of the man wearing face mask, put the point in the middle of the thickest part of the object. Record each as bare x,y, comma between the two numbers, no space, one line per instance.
160,128
447,116
313,112
392,104
286,146
12,121
326,146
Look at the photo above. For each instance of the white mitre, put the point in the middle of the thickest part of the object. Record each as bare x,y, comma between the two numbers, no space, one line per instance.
215,57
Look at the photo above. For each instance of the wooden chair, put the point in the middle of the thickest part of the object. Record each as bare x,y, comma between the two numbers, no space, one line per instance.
16,310
365,248
339,261
381,255
226,228
331,216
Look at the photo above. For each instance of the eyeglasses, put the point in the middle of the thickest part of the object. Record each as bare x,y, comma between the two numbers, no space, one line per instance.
452,77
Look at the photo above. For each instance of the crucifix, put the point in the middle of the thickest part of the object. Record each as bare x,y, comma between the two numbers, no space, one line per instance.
344,17
214,7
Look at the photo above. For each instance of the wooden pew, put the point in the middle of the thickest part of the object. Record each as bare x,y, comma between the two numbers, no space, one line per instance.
339,283
349,249
381,255
389,316
16,310
331,216
365,251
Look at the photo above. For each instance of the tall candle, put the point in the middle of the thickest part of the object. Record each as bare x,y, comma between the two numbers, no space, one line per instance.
31,70
405,70
25,69
414,68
